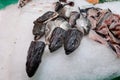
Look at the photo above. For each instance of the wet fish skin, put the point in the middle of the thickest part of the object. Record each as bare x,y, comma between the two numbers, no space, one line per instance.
40,24
106,28
62,8
45,16
58,6
38,30
103,18
61,22
51,25
57,39
83,23
73,17
115,48
34,56
72,40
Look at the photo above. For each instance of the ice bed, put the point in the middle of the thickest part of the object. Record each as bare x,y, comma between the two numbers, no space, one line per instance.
91,61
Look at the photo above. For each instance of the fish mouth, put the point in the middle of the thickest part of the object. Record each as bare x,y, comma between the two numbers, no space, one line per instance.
54,47
69,51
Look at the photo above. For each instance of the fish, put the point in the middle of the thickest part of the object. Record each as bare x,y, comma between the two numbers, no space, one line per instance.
104,16
74,15
115,48
49,15
34,57
63,23
58,6
83,23
56,39
96,37
63,9
40,24
72,40
63,1
38,30
106,29
51,25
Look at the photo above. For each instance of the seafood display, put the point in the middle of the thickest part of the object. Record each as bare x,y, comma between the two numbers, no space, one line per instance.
61,30
107,26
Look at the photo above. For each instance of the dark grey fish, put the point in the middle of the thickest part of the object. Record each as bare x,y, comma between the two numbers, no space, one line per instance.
38,30
51,25
57,39
35,53
72,40
45,17
58,6
62,10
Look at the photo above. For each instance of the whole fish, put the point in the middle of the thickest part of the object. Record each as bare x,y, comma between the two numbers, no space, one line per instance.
72,40
34,56
56,39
